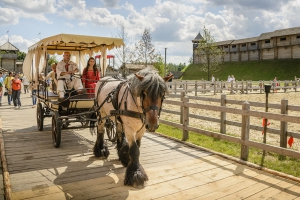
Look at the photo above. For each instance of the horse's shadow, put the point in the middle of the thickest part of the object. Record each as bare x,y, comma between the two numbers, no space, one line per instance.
89,177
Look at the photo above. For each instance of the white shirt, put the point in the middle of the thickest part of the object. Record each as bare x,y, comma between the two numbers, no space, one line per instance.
213,79
25,80
61,68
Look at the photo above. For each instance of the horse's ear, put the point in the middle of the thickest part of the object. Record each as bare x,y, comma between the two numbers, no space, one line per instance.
139,76
167,78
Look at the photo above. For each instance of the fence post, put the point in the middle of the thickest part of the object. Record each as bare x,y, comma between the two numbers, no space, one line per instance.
242,87
214,87
247,87
295,84
285,84
245,131
231,87
196,86
181,108
175,87
223,115
283,126
204,87
185,119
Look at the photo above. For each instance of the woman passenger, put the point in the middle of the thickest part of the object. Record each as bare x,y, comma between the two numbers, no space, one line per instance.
90,76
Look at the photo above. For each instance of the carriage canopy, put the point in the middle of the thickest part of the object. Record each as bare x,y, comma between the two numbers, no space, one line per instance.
78,45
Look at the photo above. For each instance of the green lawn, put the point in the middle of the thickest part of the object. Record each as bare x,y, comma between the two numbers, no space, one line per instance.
266,70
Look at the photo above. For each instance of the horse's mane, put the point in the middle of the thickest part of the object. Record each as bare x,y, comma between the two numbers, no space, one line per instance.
152,83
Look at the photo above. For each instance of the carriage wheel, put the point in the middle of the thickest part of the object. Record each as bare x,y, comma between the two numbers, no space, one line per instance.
56,129
40,116
110,129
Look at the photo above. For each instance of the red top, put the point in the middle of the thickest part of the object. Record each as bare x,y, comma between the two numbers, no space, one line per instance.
16,84
89,77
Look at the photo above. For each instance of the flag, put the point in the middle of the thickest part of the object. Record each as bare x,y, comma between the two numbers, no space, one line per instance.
291,141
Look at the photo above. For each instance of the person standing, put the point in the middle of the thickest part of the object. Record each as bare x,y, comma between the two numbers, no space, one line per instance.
7,83
90,76
16,85
26,83
1,87
213,79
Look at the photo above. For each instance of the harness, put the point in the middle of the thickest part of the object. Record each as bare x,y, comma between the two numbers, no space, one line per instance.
113,97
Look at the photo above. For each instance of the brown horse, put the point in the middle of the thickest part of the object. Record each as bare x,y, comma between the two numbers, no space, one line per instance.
134,105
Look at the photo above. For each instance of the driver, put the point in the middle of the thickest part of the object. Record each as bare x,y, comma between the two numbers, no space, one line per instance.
65,70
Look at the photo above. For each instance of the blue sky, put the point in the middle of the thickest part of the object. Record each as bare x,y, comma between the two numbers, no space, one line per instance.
173,24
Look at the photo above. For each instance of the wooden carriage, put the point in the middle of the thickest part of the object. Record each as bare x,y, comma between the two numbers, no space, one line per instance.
75,112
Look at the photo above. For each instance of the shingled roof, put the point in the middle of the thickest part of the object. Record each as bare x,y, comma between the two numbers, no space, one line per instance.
278,33
227,42
8,46
198,38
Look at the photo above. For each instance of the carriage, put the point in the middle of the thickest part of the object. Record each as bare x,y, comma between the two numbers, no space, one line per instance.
122,108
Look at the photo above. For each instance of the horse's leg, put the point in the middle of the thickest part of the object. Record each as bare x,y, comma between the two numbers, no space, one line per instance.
135,173
100,149
122,146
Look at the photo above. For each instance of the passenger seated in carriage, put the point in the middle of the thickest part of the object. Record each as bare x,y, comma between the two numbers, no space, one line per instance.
53,76
90,76
65,70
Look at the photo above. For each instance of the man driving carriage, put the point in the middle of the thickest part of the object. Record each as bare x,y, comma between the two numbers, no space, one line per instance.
65,70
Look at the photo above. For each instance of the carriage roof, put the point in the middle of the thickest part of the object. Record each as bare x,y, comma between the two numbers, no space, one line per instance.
77,45
70,42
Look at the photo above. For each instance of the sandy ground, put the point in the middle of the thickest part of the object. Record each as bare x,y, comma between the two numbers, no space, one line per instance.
273,139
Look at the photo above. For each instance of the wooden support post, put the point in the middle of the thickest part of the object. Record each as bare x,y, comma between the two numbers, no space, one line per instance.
181,108
242,87
245,131
214,87
175,87
231,87
283,126
185,118
285,85
196,86
247,87
223,115
204,87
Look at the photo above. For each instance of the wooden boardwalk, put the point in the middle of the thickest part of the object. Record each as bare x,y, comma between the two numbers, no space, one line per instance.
39,171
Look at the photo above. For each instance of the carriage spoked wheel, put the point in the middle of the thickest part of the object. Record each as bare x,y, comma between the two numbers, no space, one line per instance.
40,116
110,130
56,129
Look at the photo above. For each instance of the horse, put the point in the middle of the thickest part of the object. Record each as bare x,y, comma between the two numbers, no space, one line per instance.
134,104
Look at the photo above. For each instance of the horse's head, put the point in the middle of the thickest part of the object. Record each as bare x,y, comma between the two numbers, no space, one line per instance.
152,91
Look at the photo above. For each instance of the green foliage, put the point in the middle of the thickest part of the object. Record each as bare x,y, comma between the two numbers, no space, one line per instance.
257,70
271,161
209,54
159,66
52,60
21,55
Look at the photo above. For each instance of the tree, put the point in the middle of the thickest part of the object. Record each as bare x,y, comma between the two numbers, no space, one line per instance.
160,65
209,53
52,60
123,55
21,55
144,50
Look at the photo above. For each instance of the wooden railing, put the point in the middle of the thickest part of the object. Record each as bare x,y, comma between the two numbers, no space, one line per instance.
243,87
246,114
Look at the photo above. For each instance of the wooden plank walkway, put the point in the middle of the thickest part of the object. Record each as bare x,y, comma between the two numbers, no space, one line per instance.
176,171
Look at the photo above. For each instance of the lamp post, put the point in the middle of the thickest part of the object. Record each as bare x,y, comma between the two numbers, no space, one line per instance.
165,61
267,91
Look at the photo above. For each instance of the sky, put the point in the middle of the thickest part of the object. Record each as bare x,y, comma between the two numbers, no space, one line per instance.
172,24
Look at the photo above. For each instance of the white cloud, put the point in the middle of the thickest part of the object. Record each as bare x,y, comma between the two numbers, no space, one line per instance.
32,6
8,16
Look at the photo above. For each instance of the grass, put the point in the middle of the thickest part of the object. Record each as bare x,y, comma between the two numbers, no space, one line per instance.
289,166
284,69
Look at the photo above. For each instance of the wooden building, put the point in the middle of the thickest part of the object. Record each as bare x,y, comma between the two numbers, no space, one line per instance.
279,44
9,55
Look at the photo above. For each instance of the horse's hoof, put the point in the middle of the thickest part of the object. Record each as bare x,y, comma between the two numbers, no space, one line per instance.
135,176
101,152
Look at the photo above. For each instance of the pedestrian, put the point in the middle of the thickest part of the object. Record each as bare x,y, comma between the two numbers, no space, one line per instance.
229,82
26,83
7,83
34,86
213,80
1,87
16,85
232,79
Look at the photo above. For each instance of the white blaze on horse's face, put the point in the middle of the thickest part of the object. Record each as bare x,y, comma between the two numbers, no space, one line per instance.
151,112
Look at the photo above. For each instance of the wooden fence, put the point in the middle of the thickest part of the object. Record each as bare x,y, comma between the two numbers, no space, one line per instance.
243,87
245,125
